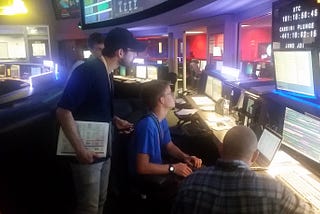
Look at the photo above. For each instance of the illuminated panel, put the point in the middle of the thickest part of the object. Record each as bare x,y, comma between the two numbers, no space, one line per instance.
141,71
293,72
295,24
301,133
152,72
213,88
97,11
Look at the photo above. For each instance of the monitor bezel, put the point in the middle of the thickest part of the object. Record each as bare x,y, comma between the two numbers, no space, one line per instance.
153,11
315,75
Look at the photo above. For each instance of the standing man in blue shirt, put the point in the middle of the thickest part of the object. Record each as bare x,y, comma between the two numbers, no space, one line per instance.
88,96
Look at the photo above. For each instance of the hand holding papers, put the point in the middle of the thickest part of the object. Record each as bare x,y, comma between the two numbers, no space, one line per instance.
93,134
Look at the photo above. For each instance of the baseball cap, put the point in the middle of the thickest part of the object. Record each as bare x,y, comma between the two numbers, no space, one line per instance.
122,38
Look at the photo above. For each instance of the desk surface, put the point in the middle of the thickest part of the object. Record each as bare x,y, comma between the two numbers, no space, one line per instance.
217,123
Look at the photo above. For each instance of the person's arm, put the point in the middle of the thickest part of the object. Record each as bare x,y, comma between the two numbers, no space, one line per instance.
122,125
174,151
69,128
145,167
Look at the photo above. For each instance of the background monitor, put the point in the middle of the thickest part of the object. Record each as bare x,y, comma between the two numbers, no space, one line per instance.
202,65
2,70
86,54
122,71
246,68
152,72
36,70
141,71
213,88
294,71
301,133
15,71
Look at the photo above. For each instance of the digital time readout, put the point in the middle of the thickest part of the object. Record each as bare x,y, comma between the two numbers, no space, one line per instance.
296,25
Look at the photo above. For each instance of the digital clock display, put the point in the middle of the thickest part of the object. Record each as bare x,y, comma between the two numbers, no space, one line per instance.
295,25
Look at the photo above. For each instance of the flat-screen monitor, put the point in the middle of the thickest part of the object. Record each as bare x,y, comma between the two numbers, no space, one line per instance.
86,54
2,70
213,88
301,133
122,70
202,65
141,71
104,13
35,70
246,68
219,65
294,72
152,72
15,71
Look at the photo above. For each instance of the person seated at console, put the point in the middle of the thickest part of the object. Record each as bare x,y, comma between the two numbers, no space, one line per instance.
151,139
231,187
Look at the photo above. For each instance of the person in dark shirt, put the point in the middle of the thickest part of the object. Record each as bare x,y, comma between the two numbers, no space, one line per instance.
88,96
231,187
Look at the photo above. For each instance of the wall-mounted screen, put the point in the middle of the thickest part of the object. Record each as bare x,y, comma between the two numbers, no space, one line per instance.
213,88
152,72
66,8
141,71
103,13
294,71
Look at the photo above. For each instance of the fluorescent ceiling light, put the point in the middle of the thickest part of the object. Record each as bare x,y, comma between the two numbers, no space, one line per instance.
17,7
194,32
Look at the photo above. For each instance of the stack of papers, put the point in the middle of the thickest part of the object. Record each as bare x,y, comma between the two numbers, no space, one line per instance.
184,112
202,100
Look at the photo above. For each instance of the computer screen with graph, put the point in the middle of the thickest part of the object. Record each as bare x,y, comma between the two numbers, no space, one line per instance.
301,132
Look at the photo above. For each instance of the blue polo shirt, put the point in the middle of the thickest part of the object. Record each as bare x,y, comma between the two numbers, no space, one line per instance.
88,94
150,137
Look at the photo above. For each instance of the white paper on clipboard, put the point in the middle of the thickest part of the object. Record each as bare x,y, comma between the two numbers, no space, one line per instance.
93,134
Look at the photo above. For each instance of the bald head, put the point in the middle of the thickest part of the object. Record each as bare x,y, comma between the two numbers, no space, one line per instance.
239,143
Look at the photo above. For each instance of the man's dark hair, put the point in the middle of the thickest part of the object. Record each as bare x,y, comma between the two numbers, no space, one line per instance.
95,38
152,91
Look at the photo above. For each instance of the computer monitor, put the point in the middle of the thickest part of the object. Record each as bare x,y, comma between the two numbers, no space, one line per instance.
294,72
246,68
203,64
122,71
213,88
152,72
301,133
219,65
2,70
86,54
35,70
15,71
141,71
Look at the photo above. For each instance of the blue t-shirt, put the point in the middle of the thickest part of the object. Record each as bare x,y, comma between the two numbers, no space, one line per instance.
150,137
88,94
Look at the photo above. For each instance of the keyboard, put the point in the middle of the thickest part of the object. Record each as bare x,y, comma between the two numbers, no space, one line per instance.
304,185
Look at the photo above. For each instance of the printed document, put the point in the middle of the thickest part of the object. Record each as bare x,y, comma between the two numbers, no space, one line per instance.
93,134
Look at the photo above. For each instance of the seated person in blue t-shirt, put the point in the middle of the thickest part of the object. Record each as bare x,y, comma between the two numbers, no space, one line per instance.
152,137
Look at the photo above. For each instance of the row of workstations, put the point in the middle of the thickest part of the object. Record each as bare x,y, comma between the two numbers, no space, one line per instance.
257,104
